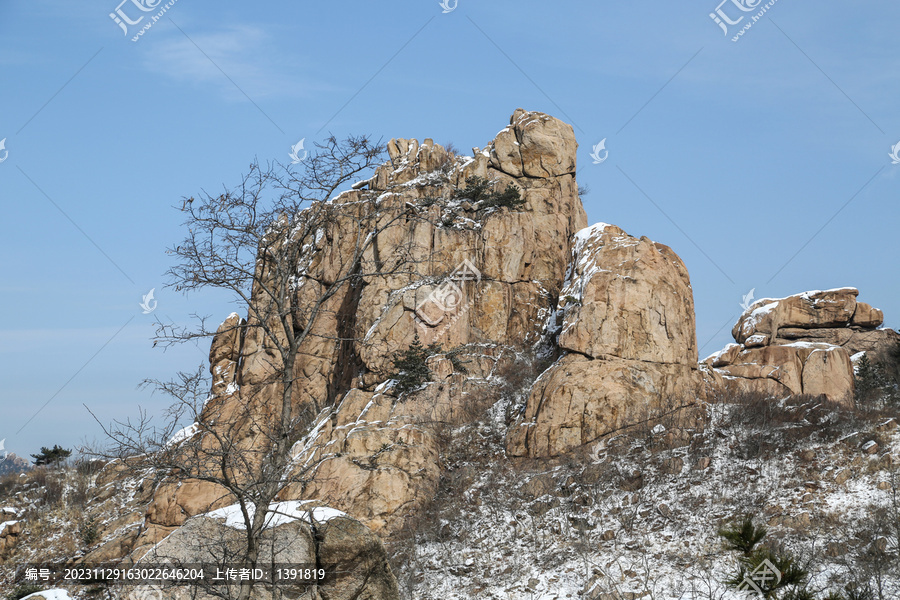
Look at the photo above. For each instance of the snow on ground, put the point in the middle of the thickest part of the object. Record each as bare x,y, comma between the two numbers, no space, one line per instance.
590,530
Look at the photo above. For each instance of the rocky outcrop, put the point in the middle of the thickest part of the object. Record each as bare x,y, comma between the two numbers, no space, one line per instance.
534,145
12,463
298,536
628,329
834,314
478,283
10,530
377,458
453,272
801,345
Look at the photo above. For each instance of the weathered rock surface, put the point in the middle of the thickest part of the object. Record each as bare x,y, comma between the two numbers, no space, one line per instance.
462,276
481,283
627,298
628,324
801,345
534,145
809,310
578,401
10,530
796,368
353,558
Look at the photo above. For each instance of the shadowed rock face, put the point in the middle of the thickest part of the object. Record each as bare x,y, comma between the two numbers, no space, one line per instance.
801,345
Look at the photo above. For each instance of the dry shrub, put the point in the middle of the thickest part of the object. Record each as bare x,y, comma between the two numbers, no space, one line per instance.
754,409
88,467
79,492
518,370
9,484
51,494
38,477
765,425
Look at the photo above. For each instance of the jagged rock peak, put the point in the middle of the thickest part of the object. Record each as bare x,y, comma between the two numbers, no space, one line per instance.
376,456
534,144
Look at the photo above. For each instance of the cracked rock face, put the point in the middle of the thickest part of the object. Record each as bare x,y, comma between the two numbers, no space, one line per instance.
381,462
628,298
628,323
534,145
801,344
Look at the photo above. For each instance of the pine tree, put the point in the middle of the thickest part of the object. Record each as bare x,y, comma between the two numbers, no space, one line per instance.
479,189
742,536
871,383
51,456
410,370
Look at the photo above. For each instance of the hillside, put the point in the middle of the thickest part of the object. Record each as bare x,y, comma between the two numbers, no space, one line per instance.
448,385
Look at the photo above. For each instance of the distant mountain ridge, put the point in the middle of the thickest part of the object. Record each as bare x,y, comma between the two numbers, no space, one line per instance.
13,463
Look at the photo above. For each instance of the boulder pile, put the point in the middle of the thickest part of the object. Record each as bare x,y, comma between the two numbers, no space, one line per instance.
801,344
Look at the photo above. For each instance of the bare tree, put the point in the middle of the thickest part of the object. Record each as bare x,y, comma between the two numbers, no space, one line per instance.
295,258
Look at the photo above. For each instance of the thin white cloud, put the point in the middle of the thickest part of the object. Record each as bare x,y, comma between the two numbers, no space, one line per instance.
246,54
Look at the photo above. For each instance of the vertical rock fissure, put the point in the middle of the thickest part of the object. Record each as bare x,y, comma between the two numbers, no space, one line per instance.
347,363
239,360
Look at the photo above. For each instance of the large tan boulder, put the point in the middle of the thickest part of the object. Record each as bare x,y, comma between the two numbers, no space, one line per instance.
867,316
802,344
577,401
627,297
299,535
628,321
535,145
829,372
809,310
9,535
178,501
792,369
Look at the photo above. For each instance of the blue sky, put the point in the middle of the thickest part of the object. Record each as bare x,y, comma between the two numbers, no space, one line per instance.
762,162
